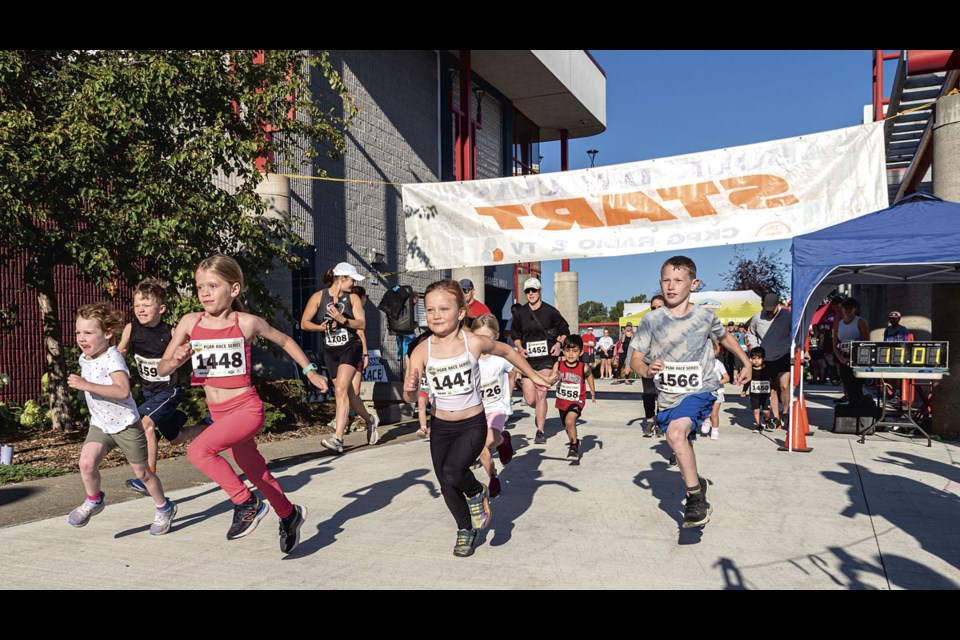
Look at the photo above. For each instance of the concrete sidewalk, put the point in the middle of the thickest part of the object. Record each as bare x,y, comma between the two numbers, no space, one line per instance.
879,515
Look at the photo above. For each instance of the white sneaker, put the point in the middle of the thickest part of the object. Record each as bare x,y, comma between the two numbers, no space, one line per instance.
373,436
333,443
706,426
714,433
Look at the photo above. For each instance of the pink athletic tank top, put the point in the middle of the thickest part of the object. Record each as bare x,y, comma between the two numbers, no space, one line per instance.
221,357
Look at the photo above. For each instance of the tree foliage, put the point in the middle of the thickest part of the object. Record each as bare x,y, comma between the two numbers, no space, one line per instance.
762,274
592,311
616,311
127,164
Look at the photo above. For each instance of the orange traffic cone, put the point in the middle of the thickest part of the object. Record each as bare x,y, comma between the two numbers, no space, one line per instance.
806,420
797,433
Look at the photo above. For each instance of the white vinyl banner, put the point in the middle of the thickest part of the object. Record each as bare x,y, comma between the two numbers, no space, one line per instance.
758,192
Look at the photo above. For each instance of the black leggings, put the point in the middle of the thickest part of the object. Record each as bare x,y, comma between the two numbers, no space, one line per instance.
454,446
649,398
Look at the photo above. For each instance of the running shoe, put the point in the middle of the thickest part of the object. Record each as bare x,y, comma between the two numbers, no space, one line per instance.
373,436
540,438
706,426
697,511
494,487
714,433
479,507
290,528
246,516
777,424
163,519
333,443
80,516
464,545
136,485
505,449
673,459
573,451
647,429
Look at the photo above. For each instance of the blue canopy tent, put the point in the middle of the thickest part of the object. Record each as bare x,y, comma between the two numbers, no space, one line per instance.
916,240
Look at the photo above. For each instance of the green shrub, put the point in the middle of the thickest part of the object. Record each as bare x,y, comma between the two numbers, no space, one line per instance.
34,416
272,417
20,472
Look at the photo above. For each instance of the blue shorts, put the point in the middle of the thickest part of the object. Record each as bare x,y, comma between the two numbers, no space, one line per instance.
162,408
697,407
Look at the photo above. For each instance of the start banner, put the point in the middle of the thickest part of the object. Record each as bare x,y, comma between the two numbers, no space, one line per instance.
766,191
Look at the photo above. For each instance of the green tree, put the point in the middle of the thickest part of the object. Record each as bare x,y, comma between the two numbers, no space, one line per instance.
124,164
592,311
616,311
763,274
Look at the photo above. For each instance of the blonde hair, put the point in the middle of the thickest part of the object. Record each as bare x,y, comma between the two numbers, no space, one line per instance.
228,269
109,319
487,321
453,288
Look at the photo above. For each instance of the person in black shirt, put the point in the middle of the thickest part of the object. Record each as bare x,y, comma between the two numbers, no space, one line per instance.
759,390
538,332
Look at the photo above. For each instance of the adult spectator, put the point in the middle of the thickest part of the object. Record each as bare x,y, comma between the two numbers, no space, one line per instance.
605,348
538,333
475,308
729,360
770,329
620,352
895,332
849,327
589,347
741,335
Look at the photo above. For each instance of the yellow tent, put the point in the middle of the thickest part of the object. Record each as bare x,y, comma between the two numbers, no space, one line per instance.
735,306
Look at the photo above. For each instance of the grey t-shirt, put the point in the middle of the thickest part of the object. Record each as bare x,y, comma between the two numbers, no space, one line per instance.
773,334
684,346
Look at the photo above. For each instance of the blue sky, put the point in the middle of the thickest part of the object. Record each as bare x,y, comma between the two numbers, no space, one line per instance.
665,103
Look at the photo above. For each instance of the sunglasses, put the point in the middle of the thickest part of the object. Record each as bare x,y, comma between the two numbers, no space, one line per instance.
465,289
530,290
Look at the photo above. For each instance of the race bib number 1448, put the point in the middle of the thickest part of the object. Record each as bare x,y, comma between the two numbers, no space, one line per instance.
218,358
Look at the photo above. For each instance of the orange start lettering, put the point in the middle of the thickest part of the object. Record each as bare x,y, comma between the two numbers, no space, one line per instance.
760,191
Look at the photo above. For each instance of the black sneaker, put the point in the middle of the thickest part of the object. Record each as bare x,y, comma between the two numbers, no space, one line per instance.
758,428
540,438
697,512
494,487
573,451
673,459
777,424
465,540
290,528
246,516
647,429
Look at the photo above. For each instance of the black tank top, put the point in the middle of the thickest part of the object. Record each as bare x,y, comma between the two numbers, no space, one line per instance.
147,345
340,337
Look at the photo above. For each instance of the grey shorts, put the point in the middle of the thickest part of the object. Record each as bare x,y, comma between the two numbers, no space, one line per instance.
131,441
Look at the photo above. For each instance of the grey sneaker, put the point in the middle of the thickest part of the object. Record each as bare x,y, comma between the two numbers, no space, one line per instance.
333,443
136,485
647,429
373,436
163,519
479,506
465,540
80,516
246,516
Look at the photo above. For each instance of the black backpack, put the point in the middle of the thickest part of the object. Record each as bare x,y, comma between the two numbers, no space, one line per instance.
397,305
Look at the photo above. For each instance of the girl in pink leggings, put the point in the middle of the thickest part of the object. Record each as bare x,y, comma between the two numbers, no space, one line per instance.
217,343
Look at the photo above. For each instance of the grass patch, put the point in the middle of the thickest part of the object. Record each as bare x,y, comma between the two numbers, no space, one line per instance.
10,473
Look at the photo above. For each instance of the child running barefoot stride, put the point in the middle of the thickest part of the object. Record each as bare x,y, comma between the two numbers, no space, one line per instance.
495,390
572,392
217,342
114,420
458,430
677,342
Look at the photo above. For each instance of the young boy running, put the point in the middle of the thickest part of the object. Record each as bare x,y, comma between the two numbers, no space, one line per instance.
146,339
673,349
573,375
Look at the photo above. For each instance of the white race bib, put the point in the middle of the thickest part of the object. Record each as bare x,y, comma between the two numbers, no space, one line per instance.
537,349
147,368
679,377
569,391
491,391
759,386
451,379
337,338
845,348
218,358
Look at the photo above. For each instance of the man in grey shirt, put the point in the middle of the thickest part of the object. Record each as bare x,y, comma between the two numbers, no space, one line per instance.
770,329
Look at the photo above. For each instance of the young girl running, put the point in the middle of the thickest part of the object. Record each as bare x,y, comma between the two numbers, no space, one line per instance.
341,317
458,429
114,419
495,391
217,342
711,426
